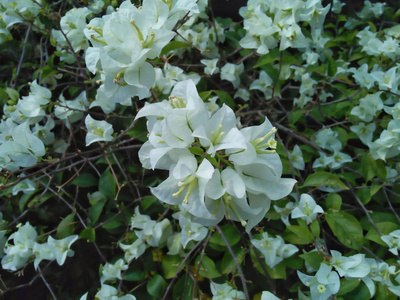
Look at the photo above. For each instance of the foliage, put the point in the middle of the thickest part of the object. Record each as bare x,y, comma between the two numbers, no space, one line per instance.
154,150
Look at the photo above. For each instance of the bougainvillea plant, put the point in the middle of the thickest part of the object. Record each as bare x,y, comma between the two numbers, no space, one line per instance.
165,149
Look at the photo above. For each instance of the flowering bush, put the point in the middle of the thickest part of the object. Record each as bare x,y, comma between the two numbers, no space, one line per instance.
155,150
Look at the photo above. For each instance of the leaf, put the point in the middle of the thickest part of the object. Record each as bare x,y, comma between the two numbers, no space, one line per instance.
322,178
170,265
172,46
268,58
298,235
228,263
183,289
385,228
89,234
134,275
224,97
156,286
347,285
207,267
364,194
85,180
371,168
314,259
346,228
334,201
66,227
332,66
107,184
231,233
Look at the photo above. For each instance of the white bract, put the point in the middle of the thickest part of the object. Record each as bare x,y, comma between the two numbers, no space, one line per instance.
323,284
72,26
122,61
98,131
393,241
307,209
215,169
225,291
274,249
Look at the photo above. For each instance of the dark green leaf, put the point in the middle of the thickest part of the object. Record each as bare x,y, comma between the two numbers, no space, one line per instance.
85,180
346,228
298,235
228,264
66,226
207,267
322,178
231,233
156,286
88,234
107,184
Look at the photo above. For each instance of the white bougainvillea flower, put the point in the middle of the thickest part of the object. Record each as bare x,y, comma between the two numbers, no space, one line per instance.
393,241
18,253
220,132
225,291
354,266
113,271
134,250
231,73
323,284
186,186
61,248
98,131
274,249
190,231
307,209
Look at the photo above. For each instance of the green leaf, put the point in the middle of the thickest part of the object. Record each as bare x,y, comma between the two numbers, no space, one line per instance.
172,46
66,227
322,178
385,228
347,285
334,201
314,259
231,233
156,286
228,264
298,235
346,228
134,275
332,66
364,194
170,265
207,267
107,184
183,289
371,168
268,58
89,234
224,97
85,180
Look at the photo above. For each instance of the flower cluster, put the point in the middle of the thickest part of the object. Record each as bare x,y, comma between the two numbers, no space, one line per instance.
215,169
272,23
25,246
125,73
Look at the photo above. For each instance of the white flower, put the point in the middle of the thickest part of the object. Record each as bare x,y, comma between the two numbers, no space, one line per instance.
231,73
307,209
211,66
113,271
323,284
274,249
225,291
98,131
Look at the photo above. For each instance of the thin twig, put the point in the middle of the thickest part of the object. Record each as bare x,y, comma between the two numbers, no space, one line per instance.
241,275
